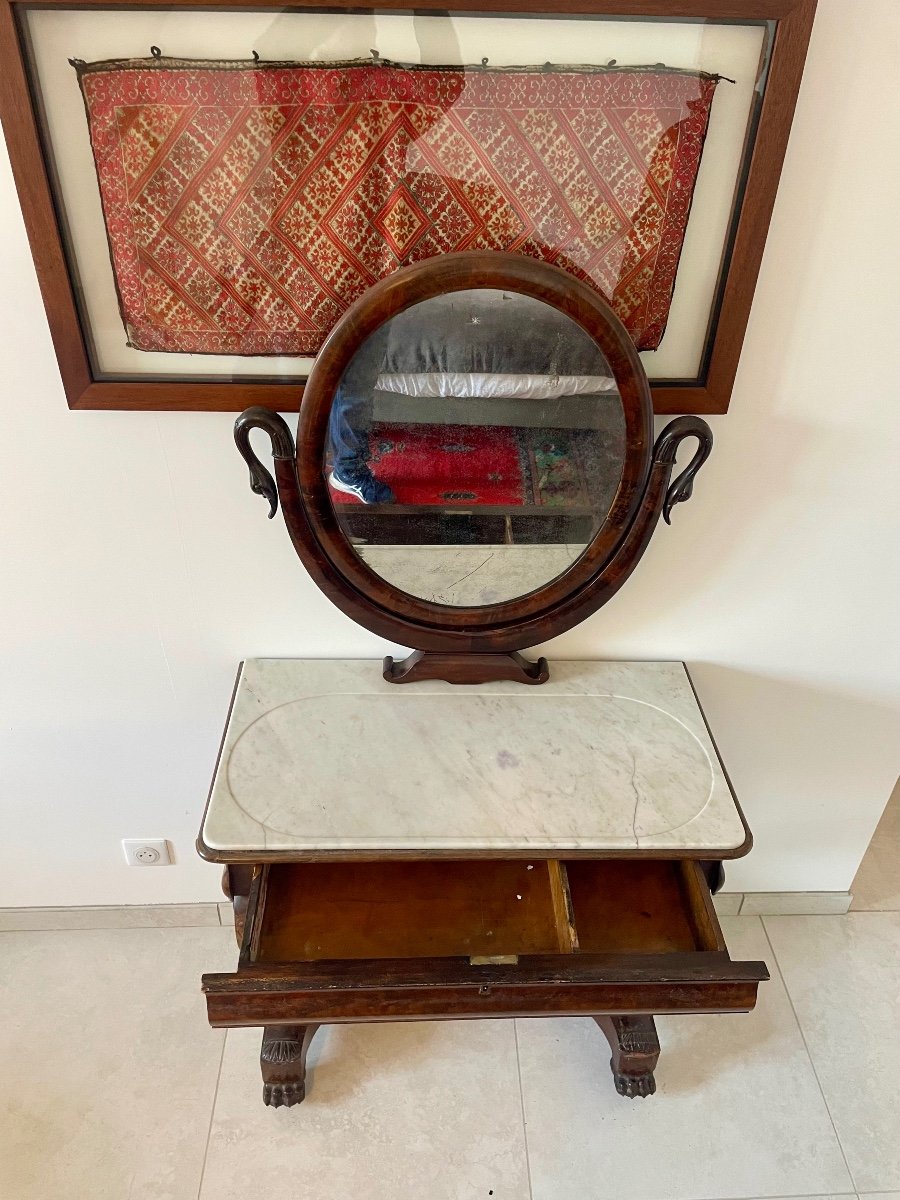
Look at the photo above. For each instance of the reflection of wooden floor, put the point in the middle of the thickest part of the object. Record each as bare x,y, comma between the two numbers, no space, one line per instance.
466,575
462,507
413,525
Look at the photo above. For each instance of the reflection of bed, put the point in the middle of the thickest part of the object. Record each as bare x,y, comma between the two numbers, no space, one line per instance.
494,417
489,345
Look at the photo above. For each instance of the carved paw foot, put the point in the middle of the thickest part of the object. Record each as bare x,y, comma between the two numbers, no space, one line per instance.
283,1095
633,1086
283,1063
635,1053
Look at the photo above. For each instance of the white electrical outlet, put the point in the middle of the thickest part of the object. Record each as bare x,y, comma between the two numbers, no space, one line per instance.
146,852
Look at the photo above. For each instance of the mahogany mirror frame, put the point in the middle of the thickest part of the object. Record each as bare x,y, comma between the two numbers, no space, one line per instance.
471,644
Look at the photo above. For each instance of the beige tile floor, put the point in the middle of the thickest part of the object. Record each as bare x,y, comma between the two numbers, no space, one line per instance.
112,1086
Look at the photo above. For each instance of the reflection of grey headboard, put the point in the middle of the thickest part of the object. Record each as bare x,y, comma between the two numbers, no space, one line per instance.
569,412
487,343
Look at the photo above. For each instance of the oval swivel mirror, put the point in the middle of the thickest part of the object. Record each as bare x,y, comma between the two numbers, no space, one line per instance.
475,445
474,471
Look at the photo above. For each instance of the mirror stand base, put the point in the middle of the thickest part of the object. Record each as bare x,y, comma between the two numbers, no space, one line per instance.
465,668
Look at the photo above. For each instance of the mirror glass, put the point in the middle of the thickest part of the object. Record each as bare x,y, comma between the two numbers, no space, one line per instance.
475,444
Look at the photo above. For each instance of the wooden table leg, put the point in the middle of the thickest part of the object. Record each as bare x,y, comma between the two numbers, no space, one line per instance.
635,1053
282,1060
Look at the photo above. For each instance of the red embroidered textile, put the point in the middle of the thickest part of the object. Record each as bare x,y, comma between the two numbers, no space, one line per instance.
248,206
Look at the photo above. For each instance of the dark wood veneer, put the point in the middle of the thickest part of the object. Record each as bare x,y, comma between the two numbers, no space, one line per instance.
448,940
635,1053
330,943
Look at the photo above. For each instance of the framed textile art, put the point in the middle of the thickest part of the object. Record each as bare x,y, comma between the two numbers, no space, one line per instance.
249,225
207,190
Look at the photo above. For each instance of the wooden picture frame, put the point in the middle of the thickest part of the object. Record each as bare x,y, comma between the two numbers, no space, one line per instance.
709,392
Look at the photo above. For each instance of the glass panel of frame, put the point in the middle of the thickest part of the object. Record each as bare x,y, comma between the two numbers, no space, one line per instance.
228,193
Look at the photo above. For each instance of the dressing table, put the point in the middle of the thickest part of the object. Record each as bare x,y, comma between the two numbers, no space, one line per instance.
470,833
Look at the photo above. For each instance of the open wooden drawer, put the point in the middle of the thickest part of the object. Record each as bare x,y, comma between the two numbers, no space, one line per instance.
327,942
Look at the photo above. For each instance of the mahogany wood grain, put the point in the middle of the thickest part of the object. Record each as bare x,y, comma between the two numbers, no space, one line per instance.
236,884
631,907
307,911
563,911
688,967
776,117
33,186
714,9
480,908
413,910
465,668
657,987
459,1004
703,917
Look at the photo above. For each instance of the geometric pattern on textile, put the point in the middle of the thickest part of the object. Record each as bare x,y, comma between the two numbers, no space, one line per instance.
248,206
447,464
469,465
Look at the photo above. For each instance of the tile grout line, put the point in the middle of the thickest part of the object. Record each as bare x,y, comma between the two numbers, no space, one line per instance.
810,1196
813,1196
104,916
105,928
522,1107
212,1115
812,1063
221,921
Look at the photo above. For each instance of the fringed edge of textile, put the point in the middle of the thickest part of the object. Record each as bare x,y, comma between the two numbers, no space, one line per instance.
165,62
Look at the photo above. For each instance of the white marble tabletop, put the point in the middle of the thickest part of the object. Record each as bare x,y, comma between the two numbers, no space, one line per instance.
326,757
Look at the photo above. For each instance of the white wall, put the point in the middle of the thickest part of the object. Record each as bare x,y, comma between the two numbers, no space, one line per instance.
138,568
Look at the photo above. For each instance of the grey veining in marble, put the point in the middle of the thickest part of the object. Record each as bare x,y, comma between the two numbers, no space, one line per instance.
327,756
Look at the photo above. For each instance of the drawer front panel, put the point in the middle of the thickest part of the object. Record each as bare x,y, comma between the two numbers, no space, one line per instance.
470,939
447,1003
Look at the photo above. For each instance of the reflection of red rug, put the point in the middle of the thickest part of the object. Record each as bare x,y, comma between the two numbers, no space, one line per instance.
475,465
440,464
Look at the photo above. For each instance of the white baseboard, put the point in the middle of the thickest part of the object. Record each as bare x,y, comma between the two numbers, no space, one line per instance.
775,904
112,916
803,904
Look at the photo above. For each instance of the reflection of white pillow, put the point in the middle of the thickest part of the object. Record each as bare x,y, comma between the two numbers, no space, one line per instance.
465,385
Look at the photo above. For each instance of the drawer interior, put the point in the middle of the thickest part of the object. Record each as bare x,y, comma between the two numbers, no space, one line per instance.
621,906
480,908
